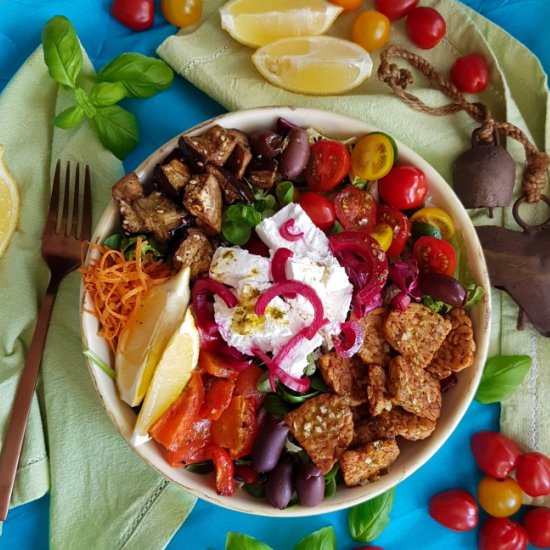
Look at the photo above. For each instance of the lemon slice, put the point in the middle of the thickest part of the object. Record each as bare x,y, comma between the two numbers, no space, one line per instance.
319,65
255,23
146,334
171,376
9,204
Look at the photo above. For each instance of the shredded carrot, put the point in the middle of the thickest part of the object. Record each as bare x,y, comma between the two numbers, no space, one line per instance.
116,286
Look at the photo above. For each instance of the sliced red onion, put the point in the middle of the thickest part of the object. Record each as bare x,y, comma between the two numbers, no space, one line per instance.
289,231
300,385
233,358
352,340
400,301
278,264
405,276
201,293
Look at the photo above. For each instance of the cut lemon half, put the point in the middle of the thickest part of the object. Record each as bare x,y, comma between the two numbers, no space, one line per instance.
146,334
255,23
9,204
320,65
171,376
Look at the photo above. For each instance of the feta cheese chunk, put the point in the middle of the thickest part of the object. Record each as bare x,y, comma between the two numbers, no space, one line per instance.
231,265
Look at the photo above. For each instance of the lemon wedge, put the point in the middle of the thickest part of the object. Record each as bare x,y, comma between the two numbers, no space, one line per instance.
255,23
320,65
171,376
9,204
146,334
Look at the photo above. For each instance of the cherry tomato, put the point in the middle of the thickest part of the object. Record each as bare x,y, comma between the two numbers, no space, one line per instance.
395,9
425,27
404,187
455,509
495,454
502,534
137,15
328,165
181,13
533,474
372,157
348,5
537,525
437,218
434,256
319,209
355,208
400,225
371,30
383,234
470,73
500,498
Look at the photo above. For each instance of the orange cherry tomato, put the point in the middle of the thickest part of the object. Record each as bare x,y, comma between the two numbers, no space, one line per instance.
371,30
182,13
500,498
348,5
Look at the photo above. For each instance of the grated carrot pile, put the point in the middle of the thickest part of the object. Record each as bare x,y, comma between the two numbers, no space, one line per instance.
116,286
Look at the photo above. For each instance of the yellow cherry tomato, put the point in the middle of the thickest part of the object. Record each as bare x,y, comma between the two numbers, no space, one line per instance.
383,233
372,157
348,5
436,217
500,498
371,30
182,13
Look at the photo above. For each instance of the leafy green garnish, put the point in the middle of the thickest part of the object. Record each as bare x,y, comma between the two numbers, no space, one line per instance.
238,221
293,397
100,363
323,539
369,519
475,295
127,245
336,228
240,541
256,490
330,487
201,468
436,306
275,405
263,385
285,192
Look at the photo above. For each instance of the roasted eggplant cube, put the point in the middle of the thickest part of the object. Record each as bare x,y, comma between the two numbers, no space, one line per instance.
195,252
171,178
203,199
233,189
262,173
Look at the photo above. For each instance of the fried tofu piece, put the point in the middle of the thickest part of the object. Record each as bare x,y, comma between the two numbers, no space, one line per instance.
377,390
323,426
414,389
417,333
458,349
345,376
171,178
196,252
367,463
203,199
375,348
399,422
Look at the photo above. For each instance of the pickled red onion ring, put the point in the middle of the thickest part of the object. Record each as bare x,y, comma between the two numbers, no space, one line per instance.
300,385
352,341
200,298
288,230
278,264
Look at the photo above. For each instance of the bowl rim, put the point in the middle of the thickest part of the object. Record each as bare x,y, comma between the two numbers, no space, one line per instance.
259,507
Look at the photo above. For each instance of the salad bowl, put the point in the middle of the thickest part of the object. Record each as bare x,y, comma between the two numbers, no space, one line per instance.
413,454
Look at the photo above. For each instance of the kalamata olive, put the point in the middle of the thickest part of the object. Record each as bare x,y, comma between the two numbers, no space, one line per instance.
279,486
296,154
266,143
284,126
269,444
444,288
310,485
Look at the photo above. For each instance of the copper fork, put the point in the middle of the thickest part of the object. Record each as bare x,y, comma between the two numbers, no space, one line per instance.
62,249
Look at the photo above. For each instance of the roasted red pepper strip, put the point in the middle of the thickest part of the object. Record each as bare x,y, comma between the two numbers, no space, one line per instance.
225,482
195,448
137,15
217,397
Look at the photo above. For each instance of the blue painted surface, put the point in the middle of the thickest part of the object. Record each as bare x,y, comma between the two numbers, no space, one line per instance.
183,106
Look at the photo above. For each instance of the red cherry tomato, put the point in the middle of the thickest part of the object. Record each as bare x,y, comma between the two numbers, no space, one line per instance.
533,474
399,223
434,256
537,525
395,9
502,534
500,498
455,509
355,208
137,15
404,187
319,209
425,27
470,73
495,454
328,164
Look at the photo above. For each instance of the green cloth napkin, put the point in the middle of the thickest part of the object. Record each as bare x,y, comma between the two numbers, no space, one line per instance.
222,68
102,494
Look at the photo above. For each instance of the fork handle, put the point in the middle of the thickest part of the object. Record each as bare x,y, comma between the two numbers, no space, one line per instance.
13,442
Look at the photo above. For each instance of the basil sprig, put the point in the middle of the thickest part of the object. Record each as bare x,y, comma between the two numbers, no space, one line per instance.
501,376
128,75
369,519
323,539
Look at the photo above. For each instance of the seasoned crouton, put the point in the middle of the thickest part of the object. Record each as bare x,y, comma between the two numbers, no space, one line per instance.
399,422
195,252
171,178
377,390
323,426
457,351
345,376
375,348
414,389
417,333
367,463
203,198
366,430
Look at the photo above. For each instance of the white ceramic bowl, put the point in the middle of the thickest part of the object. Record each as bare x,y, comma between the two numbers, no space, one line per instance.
413,454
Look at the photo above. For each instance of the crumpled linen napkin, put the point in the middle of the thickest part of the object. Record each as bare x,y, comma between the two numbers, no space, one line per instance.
102,494
211,60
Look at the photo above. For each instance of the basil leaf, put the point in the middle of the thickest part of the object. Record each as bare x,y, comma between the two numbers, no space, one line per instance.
85,103
62,53
142,76
69,118
330,487
100,363
239,541
274,405
501,376
285,192
324,539
369,519
117,129
107,93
